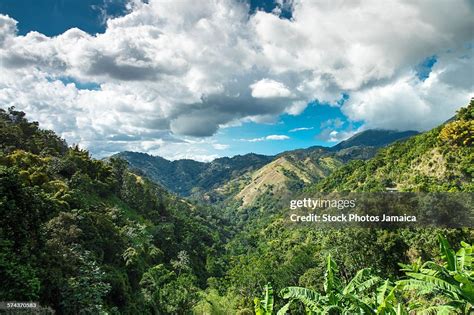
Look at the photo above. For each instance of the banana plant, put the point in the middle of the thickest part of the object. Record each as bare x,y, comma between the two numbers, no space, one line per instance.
451,281
265,306
354,298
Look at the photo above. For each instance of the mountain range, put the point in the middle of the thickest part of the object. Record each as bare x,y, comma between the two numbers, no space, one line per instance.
246,177
85,235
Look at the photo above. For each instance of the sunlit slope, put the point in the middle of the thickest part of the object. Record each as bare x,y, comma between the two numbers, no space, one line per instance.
280,177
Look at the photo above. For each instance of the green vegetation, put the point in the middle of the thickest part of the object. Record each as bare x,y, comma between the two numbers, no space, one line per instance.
189,177
247,178
448,286
439,160
268,250
80,235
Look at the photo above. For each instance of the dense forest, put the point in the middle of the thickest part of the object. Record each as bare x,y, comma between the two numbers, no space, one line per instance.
81,235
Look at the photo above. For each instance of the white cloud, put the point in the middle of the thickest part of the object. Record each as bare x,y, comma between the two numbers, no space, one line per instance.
270,137
277,137
331,130
168,69
337,136
267,88
331,135
219,146
333,123
409,103
301,129
7,29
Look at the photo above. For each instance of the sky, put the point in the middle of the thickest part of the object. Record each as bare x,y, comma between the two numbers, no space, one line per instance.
204,79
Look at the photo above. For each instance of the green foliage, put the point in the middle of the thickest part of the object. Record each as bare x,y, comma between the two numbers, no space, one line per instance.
265,306
18,133
19,278
449,286
85,236
336,299
84,292
269,250
452,281
211,302
188,177
458,133
168,292
438,160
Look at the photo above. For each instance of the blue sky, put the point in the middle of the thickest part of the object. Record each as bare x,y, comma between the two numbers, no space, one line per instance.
296,86
303,131
53,17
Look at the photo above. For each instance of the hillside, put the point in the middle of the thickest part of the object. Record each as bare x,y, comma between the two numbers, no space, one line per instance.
291,171
84,235
187,177
80,235
439,160
246,178
288,172
271,250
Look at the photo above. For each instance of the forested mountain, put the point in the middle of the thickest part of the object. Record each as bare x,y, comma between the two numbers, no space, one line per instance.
91,236
300,262
83,236
294,170
246,178
186,177
287,173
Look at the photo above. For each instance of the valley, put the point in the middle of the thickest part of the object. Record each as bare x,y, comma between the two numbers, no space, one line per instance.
136,233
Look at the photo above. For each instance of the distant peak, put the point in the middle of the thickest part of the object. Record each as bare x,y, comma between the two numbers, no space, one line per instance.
374,138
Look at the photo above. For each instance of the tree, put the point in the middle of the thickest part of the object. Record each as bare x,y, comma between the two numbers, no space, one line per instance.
168,293
85,290
336,299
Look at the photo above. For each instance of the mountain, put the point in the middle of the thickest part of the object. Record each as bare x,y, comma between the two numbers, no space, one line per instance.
283,253
186,177
286,173
80,235
290,171
374,138
246,177
441,159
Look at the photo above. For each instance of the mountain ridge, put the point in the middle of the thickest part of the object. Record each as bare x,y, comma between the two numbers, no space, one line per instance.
375,138
193,175
222,177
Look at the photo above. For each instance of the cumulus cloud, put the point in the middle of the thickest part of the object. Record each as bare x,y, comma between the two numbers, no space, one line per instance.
408,103
334,123
168,69
7,28
266,88
336,130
